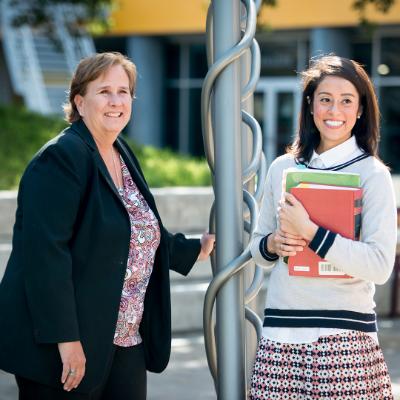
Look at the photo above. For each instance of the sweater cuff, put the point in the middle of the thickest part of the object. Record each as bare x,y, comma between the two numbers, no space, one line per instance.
264,250
322,241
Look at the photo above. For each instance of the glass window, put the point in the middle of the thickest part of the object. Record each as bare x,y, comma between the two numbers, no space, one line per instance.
171,118
198,61
106,43
191,126
390,56
172,54
303,55
259,109
390,141
285,121
362,53
278,59
194,130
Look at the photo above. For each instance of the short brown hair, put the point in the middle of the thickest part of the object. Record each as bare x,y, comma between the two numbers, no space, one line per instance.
88,70
366,129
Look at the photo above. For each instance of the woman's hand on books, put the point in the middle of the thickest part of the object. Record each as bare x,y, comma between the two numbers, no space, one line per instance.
294,219
285,244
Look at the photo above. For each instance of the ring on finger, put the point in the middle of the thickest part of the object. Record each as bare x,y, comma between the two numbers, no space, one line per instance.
72,372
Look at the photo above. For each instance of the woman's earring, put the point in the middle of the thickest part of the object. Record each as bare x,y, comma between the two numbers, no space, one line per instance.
311,113
358,116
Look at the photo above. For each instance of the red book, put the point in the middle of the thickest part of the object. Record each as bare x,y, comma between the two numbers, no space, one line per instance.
336,208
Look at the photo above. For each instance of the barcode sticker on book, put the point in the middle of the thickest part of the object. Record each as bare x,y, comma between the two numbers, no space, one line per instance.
326,268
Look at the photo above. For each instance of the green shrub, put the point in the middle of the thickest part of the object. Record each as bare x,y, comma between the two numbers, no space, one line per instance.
23,132
162,167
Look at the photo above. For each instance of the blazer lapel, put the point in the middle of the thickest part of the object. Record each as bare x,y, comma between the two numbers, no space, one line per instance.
81,129
104,171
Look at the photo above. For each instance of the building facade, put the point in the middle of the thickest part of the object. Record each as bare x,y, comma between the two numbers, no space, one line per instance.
167,42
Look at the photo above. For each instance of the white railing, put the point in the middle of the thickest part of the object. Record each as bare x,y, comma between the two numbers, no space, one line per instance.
40,70
22,63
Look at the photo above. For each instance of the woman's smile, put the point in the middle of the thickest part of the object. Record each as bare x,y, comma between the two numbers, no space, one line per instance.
333,123
113,114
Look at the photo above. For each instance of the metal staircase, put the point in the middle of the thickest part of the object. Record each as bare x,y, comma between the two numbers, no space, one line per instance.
40,69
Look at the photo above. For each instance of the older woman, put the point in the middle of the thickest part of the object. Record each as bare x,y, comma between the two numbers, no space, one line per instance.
85,299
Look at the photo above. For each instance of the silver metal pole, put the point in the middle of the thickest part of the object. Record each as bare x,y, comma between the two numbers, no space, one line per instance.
228,333
228,200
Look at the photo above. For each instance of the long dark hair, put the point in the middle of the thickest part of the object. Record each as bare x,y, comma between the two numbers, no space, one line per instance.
366,129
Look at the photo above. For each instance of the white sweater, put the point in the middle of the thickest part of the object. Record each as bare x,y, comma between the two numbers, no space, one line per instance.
336,303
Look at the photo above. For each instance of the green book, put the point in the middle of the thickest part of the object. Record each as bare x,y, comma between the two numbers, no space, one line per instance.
294,176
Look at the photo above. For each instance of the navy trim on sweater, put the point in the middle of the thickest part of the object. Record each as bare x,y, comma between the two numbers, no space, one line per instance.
318,238
322,241
336,167
327,244
264,251
340,319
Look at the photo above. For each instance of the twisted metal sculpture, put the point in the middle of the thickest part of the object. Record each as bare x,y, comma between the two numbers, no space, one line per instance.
256,169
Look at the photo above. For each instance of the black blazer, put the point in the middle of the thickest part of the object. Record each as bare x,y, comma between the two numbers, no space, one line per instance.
64,279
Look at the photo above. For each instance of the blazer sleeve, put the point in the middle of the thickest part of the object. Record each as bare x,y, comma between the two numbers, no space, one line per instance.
50,196
183,252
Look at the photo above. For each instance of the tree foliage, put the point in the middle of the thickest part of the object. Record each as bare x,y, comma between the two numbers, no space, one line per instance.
383,6
88,15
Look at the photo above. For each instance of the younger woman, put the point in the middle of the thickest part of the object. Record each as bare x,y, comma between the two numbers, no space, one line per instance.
319,338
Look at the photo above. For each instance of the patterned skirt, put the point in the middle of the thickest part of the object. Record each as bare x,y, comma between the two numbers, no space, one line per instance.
346,366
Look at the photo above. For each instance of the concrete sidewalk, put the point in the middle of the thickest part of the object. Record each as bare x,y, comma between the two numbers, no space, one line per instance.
187,376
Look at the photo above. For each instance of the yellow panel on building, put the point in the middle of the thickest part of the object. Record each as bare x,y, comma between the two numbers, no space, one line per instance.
159,17
292,14
144,17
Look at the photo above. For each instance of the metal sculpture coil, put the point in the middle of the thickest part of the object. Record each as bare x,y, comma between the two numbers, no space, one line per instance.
256,169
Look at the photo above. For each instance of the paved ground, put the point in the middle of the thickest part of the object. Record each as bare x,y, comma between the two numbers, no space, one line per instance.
187,376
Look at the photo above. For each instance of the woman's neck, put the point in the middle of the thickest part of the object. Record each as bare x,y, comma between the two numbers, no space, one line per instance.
104,146
104,140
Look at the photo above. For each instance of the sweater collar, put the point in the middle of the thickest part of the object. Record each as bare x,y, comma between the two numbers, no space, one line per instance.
338,154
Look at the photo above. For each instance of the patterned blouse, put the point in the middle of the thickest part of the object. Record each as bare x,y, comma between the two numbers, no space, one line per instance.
145,238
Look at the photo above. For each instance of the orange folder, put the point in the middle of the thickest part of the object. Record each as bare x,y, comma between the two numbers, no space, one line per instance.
336,208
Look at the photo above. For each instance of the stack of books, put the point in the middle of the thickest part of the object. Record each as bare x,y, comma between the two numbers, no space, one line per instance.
333,201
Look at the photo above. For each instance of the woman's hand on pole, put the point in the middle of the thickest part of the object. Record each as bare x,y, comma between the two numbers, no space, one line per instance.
207,242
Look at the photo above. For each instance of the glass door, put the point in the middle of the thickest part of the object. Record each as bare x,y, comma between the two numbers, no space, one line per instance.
276,106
